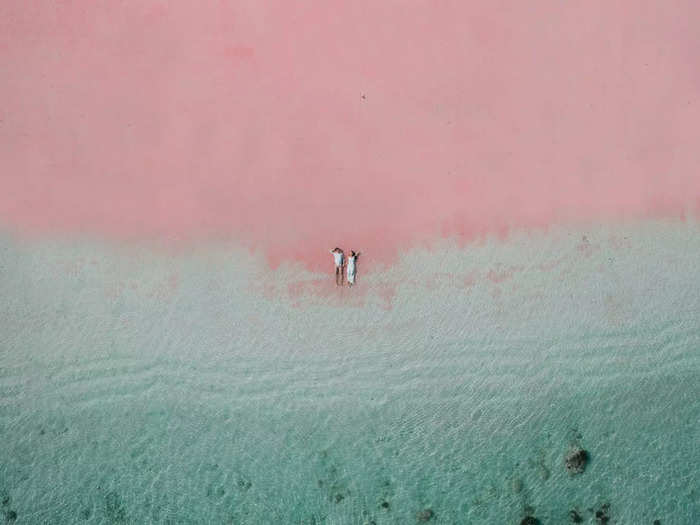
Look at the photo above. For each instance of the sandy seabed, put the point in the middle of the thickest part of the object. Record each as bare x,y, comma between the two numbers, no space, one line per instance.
142,387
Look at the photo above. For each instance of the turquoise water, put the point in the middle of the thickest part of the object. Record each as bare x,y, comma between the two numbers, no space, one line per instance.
137,387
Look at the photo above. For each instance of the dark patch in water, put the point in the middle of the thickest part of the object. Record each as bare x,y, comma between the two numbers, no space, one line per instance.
425,515
576,460
10,516
540,465
217,491
367,518
244,484
517,485
543,470
235,518
314,519
575,516
385,494
336,487
86,513
601,515
529,520
114,508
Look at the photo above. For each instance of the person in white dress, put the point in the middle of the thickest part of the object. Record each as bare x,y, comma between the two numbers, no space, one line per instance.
339,260
352,267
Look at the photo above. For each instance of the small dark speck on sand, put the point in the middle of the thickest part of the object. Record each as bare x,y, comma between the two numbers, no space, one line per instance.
529,520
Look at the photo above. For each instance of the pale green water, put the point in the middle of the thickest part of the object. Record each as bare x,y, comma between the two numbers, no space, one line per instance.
137,388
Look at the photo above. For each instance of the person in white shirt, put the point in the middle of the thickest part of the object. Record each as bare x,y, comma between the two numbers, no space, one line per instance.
339,259
352,267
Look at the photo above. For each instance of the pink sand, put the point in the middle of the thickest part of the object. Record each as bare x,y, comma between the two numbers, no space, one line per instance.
298,126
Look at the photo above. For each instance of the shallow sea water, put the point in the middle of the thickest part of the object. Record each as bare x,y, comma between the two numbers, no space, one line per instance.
137,387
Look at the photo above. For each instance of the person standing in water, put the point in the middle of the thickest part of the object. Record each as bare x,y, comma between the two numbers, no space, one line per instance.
352,267
339,259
